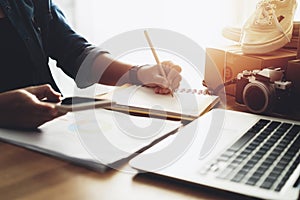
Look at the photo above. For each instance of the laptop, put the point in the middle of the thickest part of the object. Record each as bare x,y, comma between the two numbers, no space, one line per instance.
248,154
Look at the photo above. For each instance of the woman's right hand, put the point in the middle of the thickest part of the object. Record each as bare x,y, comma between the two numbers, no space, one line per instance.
151,76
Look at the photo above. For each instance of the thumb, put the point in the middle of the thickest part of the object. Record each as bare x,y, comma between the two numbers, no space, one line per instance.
44,91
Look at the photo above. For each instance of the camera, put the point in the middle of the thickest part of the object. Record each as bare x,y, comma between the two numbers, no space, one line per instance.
263,91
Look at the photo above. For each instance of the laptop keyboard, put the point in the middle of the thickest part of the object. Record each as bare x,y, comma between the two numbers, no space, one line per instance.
265,156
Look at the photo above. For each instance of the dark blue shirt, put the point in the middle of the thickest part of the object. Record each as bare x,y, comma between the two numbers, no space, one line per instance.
42,33
15,61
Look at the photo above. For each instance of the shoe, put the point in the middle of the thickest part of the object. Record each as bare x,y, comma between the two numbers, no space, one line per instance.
269,28
234,34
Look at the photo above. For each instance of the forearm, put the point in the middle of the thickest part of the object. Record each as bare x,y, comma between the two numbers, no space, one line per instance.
109,71
106,70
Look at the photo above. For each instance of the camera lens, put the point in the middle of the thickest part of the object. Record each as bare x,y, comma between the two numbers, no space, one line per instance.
257,97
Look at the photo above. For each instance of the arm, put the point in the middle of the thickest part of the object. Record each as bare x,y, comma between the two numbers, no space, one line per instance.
88,64
67,47
108,71
22,108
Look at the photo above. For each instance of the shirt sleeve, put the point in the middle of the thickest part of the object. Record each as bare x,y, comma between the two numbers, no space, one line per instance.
70,50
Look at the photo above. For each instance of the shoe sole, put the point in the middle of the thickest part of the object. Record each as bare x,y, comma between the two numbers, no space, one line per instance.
267,47
232,33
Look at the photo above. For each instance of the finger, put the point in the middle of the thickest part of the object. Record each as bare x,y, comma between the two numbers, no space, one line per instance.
51,94
176,83
151,85
156,90
169,65
177,68
173,78
165,91
32,102
45,91
36,90
159,90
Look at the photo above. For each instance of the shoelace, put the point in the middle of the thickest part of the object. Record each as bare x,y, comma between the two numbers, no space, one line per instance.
266,12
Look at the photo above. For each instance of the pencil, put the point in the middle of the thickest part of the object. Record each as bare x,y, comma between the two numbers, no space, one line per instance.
162,71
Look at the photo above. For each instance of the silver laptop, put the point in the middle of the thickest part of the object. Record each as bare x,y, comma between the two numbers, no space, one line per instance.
233,151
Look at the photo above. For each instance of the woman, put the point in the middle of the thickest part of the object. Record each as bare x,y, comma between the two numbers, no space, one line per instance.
32,31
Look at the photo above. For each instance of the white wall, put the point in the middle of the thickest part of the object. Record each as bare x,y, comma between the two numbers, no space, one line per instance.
202,21
199,20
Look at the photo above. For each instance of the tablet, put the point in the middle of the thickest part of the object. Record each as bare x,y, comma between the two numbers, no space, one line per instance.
81,103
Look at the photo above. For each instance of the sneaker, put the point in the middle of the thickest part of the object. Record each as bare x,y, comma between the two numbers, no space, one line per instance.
269,28
234,33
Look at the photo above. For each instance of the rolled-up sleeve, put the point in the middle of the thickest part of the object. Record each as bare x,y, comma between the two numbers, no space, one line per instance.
85,76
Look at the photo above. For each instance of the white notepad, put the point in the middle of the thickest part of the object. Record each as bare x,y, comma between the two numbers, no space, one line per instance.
185,104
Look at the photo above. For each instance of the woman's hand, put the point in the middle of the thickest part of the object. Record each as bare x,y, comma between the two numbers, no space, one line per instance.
23,108
151,76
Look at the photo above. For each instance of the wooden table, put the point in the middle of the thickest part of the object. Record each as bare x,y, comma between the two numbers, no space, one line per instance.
25,174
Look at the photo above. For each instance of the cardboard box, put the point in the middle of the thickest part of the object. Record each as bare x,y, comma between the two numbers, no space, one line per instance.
224,63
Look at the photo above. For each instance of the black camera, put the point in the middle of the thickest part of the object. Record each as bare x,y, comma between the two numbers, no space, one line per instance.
263,91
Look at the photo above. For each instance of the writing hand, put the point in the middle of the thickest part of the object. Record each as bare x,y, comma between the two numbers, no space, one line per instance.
151,77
